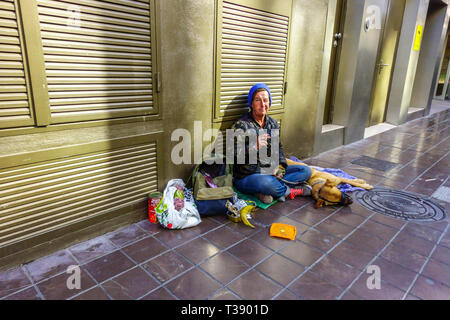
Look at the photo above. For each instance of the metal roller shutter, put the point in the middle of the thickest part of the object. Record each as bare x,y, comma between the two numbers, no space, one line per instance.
252,47
45,196
98,58
15,108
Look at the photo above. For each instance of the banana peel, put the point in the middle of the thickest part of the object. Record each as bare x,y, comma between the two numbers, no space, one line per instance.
237,216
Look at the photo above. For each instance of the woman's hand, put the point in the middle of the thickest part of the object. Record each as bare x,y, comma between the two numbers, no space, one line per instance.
279,172
262,141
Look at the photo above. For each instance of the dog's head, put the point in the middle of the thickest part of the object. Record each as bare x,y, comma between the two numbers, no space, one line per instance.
328,195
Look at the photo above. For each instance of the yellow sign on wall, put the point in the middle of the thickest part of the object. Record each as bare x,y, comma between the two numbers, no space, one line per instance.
418,37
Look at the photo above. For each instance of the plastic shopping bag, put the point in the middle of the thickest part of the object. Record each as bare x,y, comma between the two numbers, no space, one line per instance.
176,196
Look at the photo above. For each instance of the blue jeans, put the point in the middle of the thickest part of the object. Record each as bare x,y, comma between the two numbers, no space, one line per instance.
266,184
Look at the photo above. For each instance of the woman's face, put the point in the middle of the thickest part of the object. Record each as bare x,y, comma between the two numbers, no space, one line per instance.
261,104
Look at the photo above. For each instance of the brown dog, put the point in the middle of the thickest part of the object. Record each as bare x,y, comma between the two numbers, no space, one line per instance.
324,187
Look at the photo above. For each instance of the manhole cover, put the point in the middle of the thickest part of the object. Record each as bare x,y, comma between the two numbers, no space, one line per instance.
374,163
400,204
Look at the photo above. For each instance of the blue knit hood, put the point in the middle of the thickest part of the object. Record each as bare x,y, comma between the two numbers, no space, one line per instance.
252,91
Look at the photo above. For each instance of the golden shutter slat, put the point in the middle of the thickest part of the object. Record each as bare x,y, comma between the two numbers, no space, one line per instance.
96,107
104,67
88,81
13,104
106,86
96,5
10,41
11,81
88,34
14,112
12,88
109,46
144,4
94,53
90,25
103,93
95,73
8,23
92,42
108,17
9,32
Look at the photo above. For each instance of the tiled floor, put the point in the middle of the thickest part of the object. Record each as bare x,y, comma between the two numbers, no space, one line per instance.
329,259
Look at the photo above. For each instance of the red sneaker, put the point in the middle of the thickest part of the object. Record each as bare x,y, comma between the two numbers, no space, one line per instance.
304,190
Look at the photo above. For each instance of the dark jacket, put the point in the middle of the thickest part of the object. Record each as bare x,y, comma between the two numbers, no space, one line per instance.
246,145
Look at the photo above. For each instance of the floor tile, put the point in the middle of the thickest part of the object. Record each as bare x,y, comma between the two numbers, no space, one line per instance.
50,265
64,285
346,216
108,266
335,271
159,294
223,294
417,244
144,249
334,228
174,238
193,285
378,229
367,241
301,253
352,255
404,256
250,252
224,237
311,287
224,267
26,294
388,221
125,235
350,296
95,293
423,231
148,227
287,295
266,240
254,286
437,271
441,254
130,285
395,274
266,217
319,240
167,266
13,280
428,289
280,269
197,250
91,249
366,292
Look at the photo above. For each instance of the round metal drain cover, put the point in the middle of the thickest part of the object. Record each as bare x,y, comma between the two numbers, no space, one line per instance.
400,204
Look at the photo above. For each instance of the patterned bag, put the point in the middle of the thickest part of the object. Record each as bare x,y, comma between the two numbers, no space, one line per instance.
168,216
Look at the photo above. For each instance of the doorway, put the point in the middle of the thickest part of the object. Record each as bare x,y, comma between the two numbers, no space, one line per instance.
334,58
385,59
444,75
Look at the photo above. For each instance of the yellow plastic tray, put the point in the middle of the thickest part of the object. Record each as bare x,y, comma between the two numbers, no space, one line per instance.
282,230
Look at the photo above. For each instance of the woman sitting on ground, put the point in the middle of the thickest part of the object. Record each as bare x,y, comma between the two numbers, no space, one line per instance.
266,177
